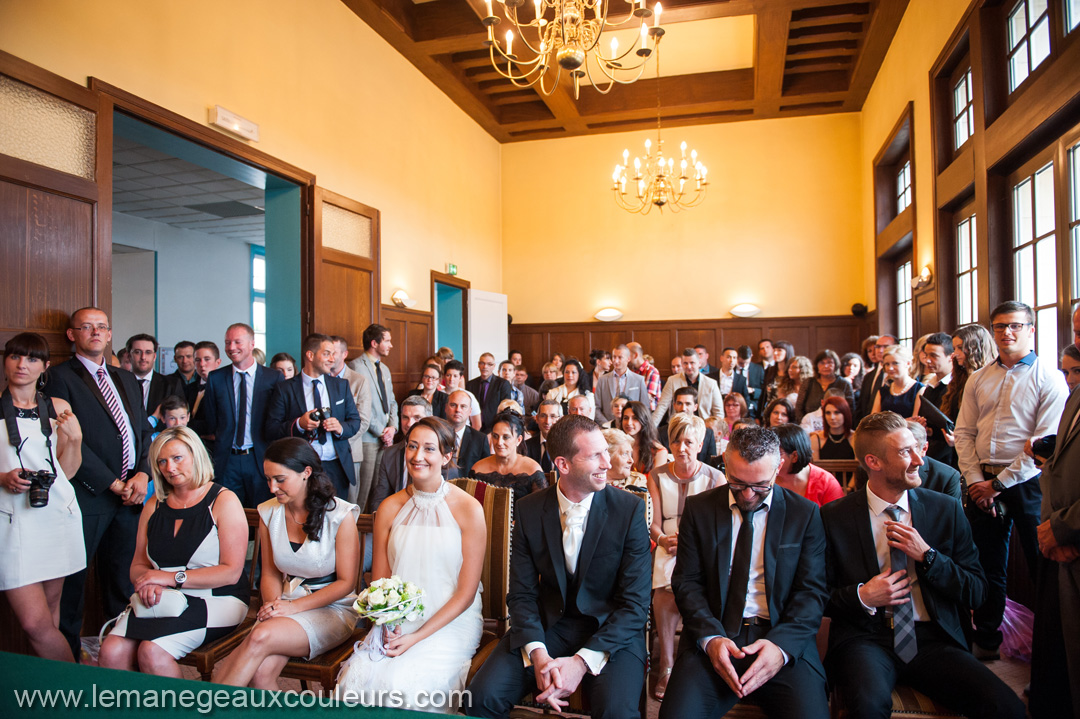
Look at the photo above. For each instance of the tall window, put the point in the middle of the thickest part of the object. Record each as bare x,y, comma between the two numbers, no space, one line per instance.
905,315
967,272
963,115
1029,39
1074,216
1072,14
1035,255
258,295
903,187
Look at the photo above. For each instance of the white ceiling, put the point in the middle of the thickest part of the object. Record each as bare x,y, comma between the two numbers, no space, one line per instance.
155,186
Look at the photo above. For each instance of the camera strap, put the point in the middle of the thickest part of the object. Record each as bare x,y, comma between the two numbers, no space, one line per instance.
45,411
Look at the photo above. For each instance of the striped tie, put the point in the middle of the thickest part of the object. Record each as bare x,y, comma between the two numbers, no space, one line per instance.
118,417
903,614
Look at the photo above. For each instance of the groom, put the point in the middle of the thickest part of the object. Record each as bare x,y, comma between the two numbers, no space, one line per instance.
580,578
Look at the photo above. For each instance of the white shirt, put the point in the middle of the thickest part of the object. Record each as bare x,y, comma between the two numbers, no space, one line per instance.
725,381
593,659
1002,409
249,377
325,450
93,368
878,517
813,421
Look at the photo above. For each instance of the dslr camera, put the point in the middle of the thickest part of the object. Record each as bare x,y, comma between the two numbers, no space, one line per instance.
319,414
40,482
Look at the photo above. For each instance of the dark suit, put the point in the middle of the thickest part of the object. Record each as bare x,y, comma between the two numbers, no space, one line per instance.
162,386
794,566
603,606
871,385
242,473
287,404
754,391
498,390
861,659
438,402
474,447
109,526
392,476
939,448
534,450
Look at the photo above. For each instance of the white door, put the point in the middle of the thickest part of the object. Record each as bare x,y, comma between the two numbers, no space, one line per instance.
487,328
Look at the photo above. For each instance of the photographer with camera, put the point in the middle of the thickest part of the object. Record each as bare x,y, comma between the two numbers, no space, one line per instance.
41,536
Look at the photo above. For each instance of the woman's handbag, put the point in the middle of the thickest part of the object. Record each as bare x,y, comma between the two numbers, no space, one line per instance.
172,603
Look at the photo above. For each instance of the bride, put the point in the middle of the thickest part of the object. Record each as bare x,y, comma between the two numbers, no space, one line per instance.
432,534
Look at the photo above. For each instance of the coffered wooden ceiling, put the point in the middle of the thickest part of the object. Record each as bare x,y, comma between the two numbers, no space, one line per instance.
809,57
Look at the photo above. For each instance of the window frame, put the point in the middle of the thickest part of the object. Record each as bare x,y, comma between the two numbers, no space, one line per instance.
965,218
1025,41
963,73
257,252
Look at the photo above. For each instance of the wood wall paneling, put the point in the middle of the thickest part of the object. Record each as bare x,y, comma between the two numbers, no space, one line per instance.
658,342
412,334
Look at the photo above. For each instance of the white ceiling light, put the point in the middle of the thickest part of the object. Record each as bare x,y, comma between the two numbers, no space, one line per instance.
608,314
745,309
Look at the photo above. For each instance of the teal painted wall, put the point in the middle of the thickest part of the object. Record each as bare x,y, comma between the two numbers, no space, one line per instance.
450,326
283,318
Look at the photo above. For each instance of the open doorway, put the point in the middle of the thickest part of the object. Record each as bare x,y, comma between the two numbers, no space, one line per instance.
449,303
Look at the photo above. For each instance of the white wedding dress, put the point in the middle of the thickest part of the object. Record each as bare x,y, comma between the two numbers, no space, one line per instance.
424,548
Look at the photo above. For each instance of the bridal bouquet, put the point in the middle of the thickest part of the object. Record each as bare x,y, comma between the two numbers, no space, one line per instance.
390,602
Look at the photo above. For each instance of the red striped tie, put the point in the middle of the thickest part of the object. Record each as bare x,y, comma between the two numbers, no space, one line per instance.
118,417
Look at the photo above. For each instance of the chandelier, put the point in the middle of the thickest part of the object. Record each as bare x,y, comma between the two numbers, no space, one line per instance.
570,40
657,180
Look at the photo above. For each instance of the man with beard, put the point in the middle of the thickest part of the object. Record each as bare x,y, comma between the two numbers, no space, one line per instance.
903,573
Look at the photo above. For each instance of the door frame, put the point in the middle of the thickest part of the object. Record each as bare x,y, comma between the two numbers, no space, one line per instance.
461,284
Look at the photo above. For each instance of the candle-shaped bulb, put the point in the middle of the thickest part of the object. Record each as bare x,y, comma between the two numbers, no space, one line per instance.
644,34
537,4
657,9
509,42
683,164
614,47
648,146
683,148
625,155
488,3
637,164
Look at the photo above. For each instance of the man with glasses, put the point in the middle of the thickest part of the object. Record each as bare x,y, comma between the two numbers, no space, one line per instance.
111,482
1012,399
749,582
875,377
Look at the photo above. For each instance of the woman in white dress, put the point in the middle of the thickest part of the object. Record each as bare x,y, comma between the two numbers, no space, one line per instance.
669,486
310,558
39,545
432,534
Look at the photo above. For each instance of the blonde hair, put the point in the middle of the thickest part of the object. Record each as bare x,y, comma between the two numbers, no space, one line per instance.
204,468
617,438
510,404
870,435
682,423
900,350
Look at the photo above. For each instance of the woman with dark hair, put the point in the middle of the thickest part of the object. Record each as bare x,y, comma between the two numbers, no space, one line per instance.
973,349
783,353
192,539
572,386
559,359
826,377
833,441
648,452
310,558
505,467
1070,365
799,370
601,364
432,534
853,369
41,533
429,390
284,363
779,411
795,472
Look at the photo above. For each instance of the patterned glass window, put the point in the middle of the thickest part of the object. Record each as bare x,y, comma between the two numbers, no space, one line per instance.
967,273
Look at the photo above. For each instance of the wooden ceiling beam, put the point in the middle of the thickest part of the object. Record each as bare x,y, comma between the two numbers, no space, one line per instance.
679,90
879,36
770,49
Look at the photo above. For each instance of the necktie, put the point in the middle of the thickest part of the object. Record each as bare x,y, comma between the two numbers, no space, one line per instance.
572,535
903,616
241,411
739,579
145,394
381,387
320,433
545,460
483,390
118,417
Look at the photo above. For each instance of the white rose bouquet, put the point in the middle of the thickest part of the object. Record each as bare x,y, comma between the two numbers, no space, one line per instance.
390,601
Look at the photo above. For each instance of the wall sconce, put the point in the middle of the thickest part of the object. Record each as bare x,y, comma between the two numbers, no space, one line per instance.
923,279
745,309
608,314
401,299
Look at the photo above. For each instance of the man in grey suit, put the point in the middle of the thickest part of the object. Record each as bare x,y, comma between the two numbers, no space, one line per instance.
620,380
361,394
384,409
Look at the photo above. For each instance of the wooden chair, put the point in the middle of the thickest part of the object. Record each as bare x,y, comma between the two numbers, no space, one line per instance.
209,654
498,504
843,469
326,667
906,704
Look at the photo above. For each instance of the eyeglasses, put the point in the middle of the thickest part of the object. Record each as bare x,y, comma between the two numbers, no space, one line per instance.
90,328
1000,327
760,489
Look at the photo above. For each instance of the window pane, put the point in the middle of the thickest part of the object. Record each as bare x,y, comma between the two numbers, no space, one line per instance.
1046,271
960,128
1072,14
260,340
960,96
963,295
1022,213
1017,25
1044,201
1018,67
258,316
1074,191
1040,42
1046,329
1036,8
41,128
1025,275
974,296
258,273
963,247
1076,262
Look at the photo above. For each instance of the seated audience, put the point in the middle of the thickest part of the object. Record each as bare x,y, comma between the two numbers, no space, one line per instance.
470,445
734,409
853,369
429,383
548,413
901,617
506,467
783,354
508,371
676,365
669,487
937,357
797,474
642,364
918,370
191,544
310,557
777,412
572,386
454,381
40,544
618,404
552,376
826,377
509,405
799,370
391,476
621,450
284,363
901,394
530,397
579,404
833,441
600,361
445,354
648,452
709,400
559,360
815,421
686,402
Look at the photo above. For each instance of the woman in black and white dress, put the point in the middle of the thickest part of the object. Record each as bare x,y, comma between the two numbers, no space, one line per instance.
192,537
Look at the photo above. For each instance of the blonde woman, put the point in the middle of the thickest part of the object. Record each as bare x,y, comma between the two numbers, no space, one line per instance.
903,394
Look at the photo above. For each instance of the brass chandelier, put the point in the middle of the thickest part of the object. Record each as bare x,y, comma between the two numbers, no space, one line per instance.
569,39
658,181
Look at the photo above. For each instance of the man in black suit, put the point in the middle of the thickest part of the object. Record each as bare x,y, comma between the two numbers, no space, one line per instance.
686,401
749,379
143,350
547,414
207,359
184,357
294,400
392,476
749,582
579,589
237,425
874,379
470,445
489,389
904,573
938,359
111,482
936,476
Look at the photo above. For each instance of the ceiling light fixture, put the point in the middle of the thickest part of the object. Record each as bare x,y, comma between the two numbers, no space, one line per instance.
570,40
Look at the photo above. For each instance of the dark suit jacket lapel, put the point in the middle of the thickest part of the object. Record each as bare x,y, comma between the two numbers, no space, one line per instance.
91,384
593,530
230,391
919,518
115,374
774,529
723,539
552,530
861,518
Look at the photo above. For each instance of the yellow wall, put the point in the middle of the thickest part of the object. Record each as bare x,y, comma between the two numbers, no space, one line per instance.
905,77
783,212
329,94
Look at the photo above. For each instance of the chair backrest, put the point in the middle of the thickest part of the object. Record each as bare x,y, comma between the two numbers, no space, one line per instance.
498,504
365,525
643,494
255,546
843,469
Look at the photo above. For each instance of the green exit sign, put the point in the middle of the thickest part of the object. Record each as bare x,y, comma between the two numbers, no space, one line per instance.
451,268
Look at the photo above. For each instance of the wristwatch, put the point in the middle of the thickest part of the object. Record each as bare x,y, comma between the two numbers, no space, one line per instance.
928,559
998,486
179,578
